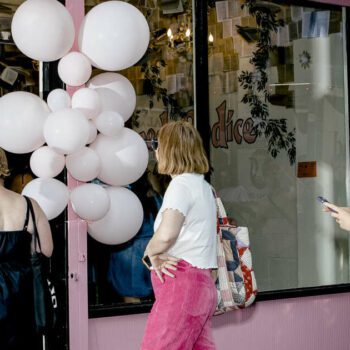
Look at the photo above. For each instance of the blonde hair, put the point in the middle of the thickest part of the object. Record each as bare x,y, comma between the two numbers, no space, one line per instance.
4,170
181,150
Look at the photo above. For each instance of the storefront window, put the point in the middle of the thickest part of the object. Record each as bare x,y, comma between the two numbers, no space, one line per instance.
279,135
163,82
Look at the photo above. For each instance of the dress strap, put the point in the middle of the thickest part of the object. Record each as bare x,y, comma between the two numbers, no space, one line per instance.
26,221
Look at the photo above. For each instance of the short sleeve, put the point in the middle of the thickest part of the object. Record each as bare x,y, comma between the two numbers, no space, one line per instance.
177,196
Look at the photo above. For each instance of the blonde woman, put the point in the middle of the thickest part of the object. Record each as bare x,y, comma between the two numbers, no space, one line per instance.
182,251
16,228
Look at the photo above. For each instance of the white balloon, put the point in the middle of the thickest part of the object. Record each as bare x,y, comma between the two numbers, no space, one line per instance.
58,99
87,101
84,165
92,132
45,162
74,69
124,99
114,35
66,131
43,29
90,201
22,117
109,123
124,158
123,219
52,195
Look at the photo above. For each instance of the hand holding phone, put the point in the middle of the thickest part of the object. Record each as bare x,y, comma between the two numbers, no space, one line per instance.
324,200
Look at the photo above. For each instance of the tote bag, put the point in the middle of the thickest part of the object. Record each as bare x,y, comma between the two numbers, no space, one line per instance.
235,278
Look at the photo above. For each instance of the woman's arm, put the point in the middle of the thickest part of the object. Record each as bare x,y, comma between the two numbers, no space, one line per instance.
167,232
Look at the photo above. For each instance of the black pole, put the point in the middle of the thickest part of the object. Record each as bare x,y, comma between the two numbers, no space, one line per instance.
201,72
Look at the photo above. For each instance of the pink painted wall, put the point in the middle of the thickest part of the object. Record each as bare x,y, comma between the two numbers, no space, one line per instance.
308,323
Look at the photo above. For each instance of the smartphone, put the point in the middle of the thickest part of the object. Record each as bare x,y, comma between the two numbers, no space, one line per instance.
146,260
324,200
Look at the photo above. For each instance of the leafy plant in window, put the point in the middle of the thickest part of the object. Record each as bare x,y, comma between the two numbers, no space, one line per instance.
255,83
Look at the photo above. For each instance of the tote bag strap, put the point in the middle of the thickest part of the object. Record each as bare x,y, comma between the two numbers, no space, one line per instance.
35,233
220,209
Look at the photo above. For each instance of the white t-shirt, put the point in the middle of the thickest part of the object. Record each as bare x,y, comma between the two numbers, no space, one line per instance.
192,196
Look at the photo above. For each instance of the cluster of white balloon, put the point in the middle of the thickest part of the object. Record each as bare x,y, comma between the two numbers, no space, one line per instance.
84,132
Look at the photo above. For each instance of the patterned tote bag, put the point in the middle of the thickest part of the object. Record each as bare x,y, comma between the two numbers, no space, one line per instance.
235,278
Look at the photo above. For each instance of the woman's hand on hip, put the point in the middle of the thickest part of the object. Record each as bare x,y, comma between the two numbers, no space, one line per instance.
162,263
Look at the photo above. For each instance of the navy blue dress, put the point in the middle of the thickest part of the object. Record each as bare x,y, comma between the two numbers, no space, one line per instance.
126,273
16,299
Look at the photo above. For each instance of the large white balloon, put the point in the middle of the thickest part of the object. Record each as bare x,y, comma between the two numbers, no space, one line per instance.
124,158
45,162
52,195
114,35
43,29
74,69
22,116
90,201
58,99
109,123
122,221
66,131
124,99
84,165
87,101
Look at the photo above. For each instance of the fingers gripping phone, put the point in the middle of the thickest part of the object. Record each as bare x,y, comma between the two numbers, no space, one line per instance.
324,200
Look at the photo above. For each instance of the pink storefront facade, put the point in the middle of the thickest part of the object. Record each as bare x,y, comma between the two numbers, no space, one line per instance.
319,322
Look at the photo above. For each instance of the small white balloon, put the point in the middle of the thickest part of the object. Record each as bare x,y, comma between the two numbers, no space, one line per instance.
84,165
123,158
52,195
87,101
90,201
114,35
74,69
43,29
58,99
92,132
45,162
123,219
109,123
122,101
22,117
66,131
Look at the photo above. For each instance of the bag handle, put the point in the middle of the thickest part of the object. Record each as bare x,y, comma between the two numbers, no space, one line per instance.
35,233
220,209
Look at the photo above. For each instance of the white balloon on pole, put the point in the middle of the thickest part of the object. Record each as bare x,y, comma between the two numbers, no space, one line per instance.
109,123
123,219
87,101
114,35
58,99
92,132
45,162
22,117
43,29
84,165
124,158
52,195
90,201
74,69
124,99
66,131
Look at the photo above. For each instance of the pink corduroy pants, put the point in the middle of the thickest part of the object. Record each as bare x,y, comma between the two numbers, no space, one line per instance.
180,318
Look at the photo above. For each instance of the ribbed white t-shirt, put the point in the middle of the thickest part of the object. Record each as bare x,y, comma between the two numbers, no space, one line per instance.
191,195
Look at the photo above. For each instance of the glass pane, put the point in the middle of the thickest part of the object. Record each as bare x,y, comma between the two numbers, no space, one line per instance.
162,80
279,135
